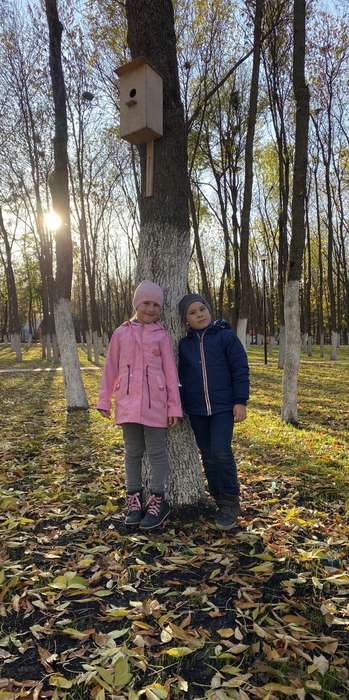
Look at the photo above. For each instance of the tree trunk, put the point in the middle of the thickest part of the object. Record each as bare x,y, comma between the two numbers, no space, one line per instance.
84,314
308,330
330,280
246,208
237,284
284,186
326,149
14,325
74,388
194,220
292,320
164,241
321,274
274,72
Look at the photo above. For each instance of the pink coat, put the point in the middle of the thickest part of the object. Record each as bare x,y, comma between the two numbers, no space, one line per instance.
140,371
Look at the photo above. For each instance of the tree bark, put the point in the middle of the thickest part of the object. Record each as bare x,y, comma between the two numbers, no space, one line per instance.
292,321
14,325
276,73
164,243
320,295
326,157
194,220
74,388
247,200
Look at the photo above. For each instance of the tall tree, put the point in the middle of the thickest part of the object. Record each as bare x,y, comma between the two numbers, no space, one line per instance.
164,244
294,271
277,72
247,199
13,317
74,388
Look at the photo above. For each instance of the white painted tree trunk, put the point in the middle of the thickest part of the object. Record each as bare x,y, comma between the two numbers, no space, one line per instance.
74,388
30,340
89,345
55,348
43,347
49,348
304,342
16,346
292,353
96,347
334,341
248,339
241,331
105,343
322,344
281,357
185,478
260,339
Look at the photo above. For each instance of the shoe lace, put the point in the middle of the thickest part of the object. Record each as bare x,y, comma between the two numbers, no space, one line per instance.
133,501
154,505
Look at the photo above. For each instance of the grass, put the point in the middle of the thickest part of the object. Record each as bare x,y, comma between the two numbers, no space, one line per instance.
278,585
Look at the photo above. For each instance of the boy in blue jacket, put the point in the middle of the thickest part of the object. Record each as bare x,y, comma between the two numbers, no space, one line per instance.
214,377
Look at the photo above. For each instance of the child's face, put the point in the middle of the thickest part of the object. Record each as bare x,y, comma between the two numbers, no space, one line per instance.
148,312
198,315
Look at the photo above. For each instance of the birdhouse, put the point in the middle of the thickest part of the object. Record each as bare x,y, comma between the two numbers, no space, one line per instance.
141,100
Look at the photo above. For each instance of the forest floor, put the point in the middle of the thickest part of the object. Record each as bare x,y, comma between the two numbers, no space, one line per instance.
89,610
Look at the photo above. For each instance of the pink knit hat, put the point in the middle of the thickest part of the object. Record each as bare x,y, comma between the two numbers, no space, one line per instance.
148,291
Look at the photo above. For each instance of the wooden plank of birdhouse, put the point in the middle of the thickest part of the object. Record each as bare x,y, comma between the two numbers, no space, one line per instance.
149,170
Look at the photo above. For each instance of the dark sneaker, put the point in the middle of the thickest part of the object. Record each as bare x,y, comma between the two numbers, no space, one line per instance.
228,511
157,512
134,505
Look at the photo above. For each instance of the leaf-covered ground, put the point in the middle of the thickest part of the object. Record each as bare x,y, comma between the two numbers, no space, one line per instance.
89,610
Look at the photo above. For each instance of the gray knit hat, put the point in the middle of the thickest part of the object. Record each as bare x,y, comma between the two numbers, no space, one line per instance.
187,300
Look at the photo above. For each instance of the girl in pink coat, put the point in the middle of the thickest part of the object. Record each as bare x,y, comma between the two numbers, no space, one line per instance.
140,371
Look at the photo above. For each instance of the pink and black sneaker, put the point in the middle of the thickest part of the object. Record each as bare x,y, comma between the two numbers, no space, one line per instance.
134,513
157,510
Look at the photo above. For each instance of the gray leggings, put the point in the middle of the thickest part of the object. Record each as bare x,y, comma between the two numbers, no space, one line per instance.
139,438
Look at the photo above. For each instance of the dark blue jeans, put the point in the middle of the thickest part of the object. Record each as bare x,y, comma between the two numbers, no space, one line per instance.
213,435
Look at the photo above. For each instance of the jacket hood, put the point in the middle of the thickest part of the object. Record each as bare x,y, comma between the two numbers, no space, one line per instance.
214,327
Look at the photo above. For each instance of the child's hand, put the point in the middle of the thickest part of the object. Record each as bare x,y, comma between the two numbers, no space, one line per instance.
105,414
172,420
239,412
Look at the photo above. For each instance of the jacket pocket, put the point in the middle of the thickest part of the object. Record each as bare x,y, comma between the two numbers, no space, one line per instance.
156,388
123,382
161,387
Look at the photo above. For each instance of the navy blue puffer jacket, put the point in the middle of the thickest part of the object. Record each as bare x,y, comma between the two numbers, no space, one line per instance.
213,370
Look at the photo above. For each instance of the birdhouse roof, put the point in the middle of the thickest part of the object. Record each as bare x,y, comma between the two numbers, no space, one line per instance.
136,63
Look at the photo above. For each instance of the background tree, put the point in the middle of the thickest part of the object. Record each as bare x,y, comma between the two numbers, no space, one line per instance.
292,315
74,388
248,181
14,326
